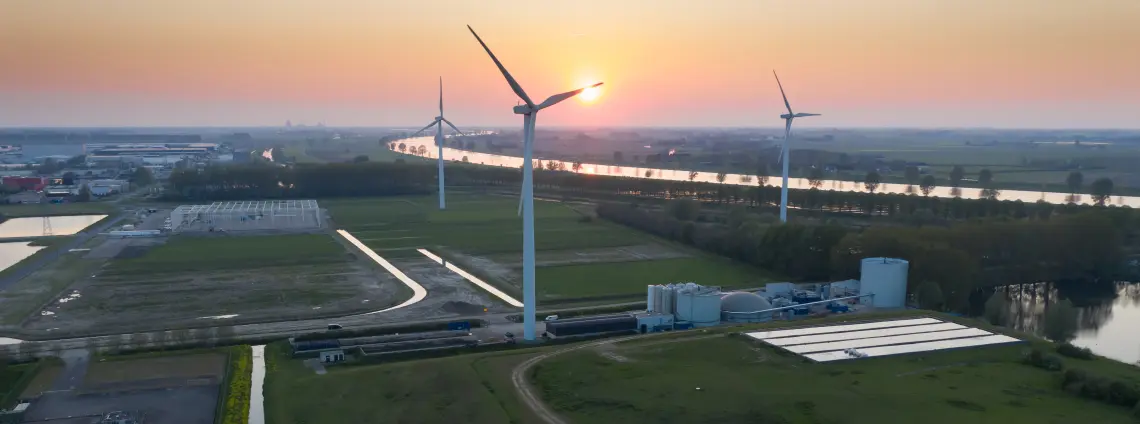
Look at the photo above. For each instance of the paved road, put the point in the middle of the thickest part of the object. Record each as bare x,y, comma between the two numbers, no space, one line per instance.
77,240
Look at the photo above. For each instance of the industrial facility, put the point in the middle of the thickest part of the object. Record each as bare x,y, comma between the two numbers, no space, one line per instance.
252,215
882,285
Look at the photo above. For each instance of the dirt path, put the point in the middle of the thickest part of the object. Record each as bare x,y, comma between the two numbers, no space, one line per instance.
531,399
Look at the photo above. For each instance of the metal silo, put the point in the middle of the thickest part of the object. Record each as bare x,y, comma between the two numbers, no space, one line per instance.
886,279
652,298
698,305
668,300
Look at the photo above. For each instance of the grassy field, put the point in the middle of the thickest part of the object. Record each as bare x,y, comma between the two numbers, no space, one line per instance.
30,293
655,380
14,379
578,257
575,281
743,381
88,208
466,389
189,254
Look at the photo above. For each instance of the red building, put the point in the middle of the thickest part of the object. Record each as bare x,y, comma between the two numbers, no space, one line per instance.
26,183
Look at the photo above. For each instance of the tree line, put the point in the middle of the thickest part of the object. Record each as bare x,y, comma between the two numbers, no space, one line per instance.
956,260
268,181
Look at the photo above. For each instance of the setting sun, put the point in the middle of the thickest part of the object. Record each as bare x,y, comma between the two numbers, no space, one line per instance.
590,94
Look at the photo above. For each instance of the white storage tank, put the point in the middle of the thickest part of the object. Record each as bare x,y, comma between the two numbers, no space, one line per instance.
775,289
668,300
698,305
651,300
886,279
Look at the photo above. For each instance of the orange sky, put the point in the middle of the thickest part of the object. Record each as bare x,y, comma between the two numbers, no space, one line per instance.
957,63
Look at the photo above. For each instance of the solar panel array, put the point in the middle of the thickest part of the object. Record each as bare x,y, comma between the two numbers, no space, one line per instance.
879,338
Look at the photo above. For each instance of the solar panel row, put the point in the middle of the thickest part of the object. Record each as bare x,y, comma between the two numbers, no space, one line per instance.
852,335
914,348
841,328
880,338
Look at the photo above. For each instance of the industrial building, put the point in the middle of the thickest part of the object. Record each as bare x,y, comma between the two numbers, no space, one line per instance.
252,215
882,284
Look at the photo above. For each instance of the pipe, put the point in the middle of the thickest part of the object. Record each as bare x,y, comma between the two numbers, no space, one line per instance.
803,304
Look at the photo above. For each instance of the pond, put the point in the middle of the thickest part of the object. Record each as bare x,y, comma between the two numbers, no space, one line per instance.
36,227
13,252
1107,316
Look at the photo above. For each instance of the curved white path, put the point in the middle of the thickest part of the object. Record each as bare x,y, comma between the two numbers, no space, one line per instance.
473,279
257,382
418,291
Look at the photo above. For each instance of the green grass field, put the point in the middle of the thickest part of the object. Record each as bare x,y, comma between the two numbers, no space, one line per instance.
13,380
742,381
602,279
48,209
188,254
466,389
656,381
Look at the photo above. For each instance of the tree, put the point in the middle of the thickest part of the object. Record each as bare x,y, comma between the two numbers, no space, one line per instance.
929,296
49,166
422,150
996,312
84,194
692,175
576,167
1074,181
745,178
720,176
360,158
1061,322
464,160
1101,190
618,157
872,181
69,178
762,174
912,174
648,173
956,175
815,177
985,177
927,184
403,147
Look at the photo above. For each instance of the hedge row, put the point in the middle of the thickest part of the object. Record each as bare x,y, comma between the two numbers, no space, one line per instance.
239,376
1081,383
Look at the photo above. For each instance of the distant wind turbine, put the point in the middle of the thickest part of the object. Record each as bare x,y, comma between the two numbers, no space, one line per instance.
529,110
788,117
438,123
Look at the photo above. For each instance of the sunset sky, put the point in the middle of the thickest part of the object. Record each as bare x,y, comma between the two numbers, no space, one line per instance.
889,63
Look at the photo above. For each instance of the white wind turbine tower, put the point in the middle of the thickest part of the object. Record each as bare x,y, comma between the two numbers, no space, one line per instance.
438,123
529,110
788,117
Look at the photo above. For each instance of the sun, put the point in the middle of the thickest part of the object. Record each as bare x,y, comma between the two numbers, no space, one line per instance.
591,94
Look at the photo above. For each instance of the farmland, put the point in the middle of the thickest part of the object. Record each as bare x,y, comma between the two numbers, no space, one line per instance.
578,257
141,284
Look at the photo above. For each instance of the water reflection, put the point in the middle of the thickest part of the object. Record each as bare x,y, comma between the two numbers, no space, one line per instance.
1106,318
36,227
736,179
11,253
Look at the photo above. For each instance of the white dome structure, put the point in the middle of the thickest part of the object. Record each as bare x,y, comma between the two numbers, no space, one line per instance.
744,307
743,302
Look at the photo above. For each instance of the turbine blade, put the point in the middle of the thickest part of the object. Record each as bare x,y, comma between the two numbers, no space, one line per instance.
452,126
440,96
558,98
424,128
510,80
801,114
786,104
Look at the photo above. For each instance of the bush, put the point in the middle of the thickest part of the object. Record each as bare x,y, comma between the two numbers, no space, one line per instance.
1122,393
240,375
1044,361
1136,410
1067,349
1075,376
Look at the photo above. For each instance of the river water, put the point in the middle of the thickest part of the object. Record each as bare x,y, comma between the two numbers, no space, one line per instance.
1106,320
452,154
35,227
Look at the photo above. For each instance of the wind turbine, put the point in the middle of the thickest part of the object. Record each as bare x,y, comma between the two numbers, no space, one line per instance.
438,123
788,117
529,110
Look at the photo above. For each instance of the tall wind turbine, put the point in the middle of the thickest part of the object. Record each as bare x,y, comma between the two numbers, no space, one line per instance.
438,123
788,117
529,110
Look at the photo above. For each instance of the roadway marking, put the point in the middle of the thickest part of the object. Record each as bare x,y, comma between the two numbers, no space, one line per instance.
475,280
418,291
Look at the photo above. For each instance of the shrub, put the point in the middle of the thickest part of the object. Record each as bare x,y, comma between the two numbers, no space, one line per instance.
236,409
1043,360
1067,349
1136,410
1122,393
1074,376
